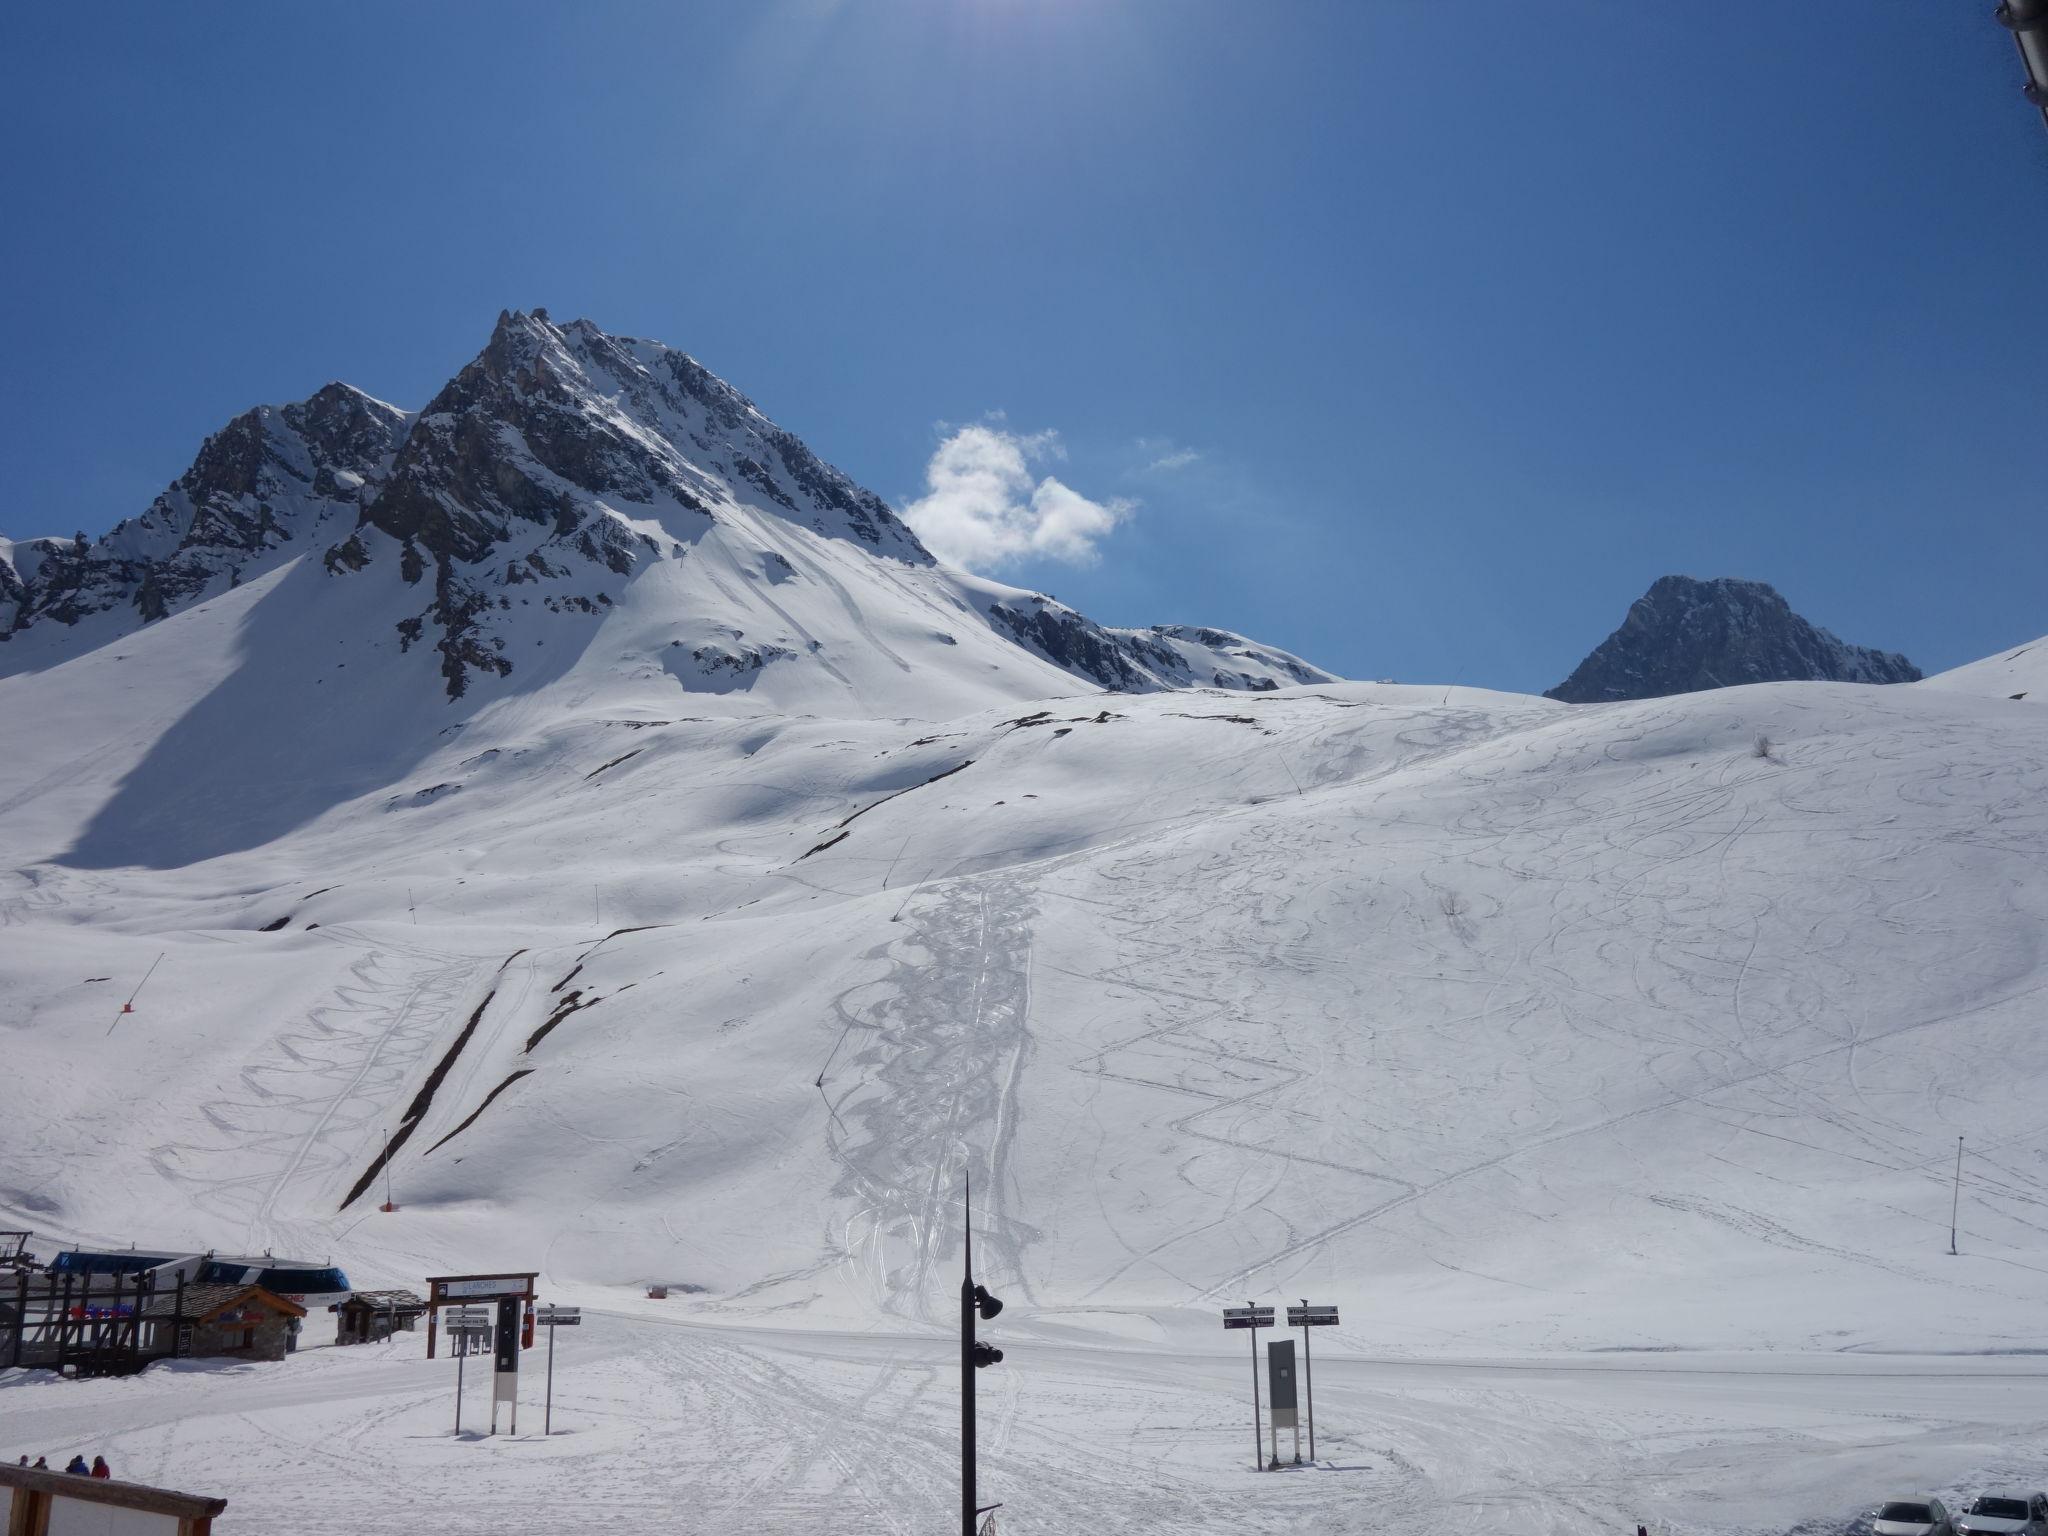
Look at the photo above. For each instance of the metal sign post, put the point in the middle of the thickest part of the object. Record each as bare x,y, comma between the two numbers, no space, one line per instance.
1306,1317
551,1318
466,1326
1254,1318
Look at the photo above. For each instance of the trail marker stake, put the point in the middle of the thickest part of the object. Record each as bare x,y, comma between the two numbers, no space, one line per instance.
1955,1203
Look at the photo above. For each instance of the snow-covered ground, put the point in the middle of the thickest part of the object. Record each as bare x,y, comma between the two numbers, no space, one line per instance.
1605,1064
664,1424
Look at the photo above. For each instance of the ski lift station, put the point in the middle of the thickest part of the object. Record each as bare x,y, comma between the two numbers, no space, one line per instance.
300,1281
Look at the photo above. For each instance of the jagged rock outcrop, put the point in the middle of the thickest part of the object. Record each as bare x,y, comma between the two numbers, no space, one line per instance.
1685,635
272,483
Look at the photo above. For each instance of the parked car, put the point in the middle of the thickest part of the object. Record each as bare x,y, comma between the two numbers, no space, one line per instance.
1912,1517
2005,1514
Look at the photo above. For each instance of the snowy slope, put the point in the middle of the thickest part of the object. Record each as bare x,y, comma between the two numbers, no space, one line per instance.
1527,1033
2020,673
1332,983
722,921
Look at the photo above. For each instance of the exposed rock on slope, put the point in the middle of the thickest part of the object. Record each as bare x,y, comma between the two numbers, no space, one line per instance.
272,483
1684,635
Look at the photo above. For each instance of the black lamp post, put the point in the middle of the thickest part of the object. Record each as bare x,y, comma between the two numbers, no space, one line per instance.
974,1355
2027,20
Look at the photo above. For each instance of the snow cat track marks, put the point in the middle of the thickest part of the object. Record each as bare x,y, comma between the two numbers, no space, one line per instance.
471,1118
307,1100
1235,1281
627,758
949,1028
568,1005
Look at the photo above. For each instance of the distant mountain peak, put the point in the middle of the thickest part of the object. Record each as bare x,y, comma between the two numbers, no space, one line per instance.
1685,635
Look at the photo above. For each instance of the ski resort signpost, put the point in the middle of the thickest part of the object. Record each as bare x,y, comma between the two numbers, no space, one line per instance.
1306,1317
460,1290
467,1326
551,1318
1254,1318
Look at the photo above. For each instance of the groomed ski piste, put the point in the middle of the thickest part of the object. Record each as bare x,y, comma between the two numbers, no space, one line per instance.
1604,1064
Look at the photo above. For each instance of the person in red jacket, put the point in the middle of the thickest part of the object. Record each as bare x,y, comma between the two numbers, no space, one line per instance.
100,1467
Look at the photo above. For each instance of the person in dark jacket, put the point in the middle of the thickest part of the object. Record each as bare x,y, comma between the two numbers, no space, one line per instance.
100,1467
78,1468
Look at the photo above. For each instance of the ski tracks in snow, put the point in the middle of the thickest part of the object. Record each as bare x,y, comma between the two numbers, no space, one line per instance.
306,1113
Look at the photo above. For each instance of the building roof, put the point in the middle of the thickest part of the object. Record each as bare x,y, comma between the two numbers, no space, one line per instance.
385,1301
205,1302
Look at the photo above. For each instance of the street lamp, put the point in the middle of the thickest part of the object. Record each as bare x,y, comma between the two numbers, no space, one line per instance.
2027,20
975,1302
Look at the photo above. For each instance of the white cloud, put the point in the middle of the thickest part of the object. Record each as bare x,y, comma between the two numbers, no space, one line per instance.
984,506
1162,455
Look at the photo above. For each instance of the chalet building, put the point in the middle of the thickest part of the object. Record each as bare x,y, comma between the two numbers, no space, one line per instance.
369,1316
235,1322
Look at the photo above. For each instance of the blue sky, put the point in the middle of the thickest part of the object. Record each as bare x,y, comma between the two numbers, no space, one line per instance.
1419,337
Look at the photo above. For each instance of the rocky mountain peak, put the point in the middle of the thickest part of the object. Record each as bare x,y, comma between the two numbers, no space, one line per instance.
1685,635
273,482
569,484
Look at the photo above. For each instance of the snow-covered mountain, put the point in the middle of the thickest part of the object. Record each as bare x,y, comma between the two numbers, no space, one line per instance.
1685,635
2020,673
570,489
271,485
762,877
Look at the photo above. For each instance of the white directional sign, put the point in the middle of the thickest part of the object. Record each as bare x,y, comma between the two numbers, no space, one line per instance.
1247,1317
1311,1317
559,1317
496,1285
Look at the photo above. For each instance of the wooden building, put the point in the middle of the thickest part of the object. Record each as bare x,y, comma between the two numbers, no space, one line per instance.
368,1316
33,1502
237,1322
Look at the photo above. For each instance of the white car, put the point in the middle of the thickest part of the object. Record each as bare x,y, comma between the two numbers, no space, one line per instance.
2005,1514
1912,1517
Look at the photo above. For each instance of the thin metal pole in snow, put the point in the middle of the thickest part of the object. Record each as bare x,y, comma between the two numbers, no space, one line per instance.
1258,1419
1956,1201
461,1349
1308,1365
129,1006
547,1423
389,1203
